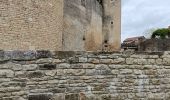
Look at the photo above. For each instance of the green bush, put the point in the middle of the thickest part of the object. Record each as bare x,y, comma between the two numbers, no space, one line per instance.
161,33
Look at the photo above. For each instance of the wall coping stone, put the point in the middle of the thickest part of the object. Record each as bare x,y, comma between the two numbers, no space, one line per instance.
17,55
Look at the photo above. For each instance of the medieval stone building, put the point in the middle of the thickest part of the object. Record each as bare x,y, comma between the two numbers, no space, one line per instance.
61,25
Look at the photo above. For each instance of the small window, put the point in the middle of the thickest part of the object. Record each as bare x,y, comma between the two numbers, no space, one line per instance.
83,3
100,1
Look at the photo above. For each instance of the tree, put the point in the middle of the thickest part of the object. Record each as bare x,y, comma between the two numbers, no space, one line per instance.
161,33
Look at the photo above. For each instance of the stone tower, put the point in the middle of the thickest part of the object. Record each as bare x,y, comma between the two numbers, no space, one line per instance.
61,25
112,24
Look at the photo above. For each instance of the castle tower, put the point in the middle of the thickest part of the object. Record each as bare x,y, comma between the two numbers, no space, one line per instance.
112,24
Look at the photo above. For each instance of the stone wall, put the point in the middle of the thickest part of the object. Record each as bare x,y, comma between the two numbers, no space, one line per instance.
155,45
44,75
31,24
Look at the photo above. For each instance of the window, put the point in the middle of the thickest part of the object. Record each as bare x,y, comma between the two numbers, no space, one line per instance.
100,1
83,3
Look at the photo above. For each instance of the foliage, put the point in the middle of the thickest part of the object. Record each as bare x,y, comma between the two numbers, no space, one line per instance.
161,33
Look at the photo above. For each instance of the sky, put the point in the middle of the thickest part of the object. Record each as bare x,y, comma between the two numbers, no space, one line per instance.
139,16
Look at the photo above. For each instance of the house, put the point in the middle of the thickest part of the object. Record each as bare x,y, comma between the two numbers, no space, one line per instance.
132,43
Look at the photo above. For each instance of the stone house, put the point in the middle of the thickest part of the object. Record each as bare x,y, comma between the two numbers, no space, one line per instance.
133,42
60,25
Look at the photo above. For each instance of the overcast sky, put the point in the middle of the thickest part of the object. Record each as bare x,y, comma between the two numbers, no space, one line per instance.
141,15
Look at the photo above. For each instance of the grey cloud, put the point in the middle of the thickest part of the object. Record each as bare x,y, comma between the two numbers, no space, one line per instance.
141,15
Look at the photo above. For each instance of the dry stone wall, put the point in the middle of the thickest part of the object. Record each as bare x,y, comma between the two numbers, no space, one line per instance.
44,75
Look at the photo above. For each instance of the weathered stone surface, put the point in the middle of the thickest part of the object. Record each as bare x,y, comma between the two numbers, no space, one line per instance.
35,74
166,61
51,72
140,78
6,73
44,96
47,66
59,96
72,97
30,67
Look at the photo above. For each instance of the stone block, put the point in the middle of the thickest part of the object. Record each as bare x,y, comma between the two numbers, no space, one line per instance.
118,61
166,61
43,54
16,67
47,66
126,71
30,67
35,74
72,97
6,73
43,96
83,59
76,72
44,60
129,61
63,66
50,72
22,55
58,96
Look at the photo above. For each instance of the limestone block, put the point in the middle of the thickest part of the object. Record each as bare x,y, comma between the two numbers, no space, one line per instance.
44,60
139,56
166,61
42,96
106,61
151,61
51,72
64,66
35,74
119,61
115,72
93,60
58,96
16,67
88,66
6,73
142,61
82,59
159,61
53,81
75,71
130,61
71,97
48,66
30,67
126,71
20,74
12,89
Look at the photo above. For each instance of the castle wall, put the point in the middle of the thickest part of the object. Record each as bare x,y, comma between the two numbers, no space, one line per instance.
31,24
44,75
68,25
82,25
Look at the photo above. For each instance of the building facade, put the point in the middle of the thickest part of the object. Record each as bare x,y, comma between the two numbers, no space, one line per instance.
60,25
